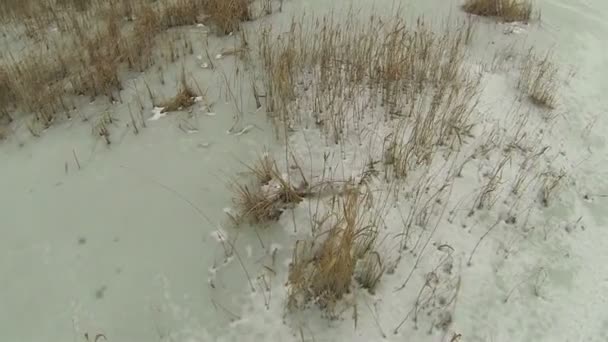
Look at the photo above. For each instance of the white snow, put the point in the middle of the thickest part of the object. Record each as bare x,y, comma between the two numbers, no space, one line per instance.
511,270
157,113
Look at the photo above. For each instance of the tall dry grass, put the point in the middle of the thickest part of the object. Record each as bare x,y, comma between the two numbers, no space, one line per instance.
344,73
6,95
181,12
323,270
538,79
145,29
34,84
227,15
99,39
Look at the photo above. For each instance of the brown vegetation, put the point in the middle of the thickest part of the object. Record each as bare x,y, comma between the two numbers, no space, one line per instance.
184,98
323,271
227,15
538,80
98,40
265,200
507,10
414,75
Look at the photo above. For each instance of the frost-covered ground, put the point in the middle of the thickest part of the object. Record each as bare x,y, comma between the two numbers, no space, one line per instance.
133,243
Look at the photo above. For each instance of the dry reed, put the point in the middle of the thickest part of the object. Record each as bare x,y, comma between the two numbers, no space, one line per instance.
538,80
265,200
98,38
227,15
323,272
185,98
342,72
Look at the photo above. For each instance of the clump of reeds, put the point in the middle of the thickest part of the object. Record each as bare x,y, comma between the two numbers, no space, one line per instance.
181,12
264,169
35,84
412,74
146,27
256,205
152,20
105,53
97,41
86,62
323,272
227,15
506,10
185,98
265,200
538,80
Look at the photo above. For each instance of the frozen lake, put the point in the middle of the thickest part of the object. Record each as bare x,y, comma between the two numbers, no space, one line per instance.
119,240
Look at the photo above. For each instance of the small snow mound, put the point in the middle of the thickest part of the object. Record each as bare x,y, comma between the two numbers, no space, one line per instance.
158,113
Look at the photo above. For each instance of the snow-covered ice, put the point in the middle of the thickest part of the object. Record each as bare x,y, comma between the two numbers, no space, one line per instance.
133,240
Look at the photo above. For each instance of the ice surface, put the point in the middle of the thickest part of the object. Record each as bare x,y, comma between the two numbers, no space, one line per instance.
125,241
